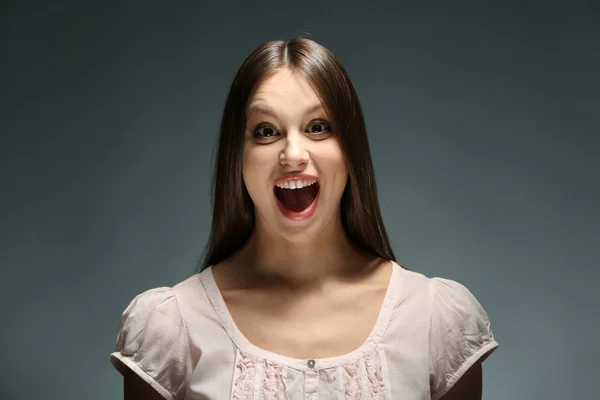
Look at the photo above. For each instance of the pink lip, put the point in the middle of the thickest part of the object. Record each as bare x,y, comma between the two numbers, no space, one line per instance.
295,177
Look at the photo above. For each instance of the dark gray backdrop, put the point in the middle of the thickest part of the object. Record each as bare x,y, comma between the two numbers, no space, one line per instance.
483,122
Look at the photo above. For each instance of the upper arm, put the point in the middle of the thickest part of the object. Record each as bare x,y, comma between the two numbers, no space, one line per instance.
135,388
469,386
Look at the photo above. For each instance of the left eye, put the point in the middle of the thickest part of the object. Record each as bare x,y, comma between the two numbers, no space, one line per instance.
318,127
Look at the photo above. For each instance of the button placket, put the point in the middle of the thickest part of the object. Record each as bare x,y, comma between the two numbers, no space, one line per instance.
311,381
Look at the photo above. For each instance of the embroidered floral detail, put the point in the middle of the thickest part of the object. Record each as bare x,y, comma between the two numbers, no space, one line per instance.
375,376
245,381
273,377
353,387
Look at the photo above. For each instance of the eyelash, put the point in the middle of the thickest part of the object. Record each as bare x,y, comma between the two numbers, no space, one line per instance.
254,131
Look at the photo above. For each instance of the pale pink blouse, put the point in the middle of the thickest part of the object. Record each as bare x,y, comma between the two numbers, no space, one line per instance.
184,343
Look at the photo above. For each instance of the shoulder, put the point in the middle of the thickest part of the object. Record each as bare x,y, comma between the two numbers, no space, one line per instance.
456,313
152,309
153,338
450,306
151,317
460,334
164,302
436,294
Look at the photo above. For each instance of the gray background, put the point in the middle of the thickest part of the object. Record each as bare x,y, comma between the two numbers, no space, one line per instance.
483,121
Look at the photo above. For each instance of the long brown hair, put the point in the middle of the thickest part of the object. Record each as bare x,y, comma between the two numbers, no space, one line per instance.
233,210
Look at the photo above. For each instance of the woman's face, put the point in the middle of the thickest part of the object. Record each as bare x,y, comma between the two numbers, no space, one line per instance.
293,166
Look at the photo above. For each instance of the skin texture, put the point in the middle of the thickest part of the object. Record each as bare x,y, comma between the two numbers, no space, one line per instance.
290,140
294,265
296,286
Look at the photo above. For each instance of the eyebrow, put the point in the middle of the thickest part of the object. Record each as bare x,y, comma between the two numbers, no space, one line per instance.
265,109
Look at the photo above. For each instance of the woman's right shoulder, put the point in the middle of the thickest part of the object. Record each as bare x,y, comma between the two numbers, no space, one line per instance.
153,340
168,299
187,297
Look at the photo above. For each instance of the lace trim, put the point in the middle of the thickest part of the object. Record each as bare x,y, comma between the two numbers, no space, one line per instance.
375,377
244,384
245,381
353,387
273,377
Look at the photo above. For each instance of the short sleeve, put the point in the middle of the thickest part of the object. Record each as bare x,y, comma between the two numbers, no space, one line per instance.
460,334
152,341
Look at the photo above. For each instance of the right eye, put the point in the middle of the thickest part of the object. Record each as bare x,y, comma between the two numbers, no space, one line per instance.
264,131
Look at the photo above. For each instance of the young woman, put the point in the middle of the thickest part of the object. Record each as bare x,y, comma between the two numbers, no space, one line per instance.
299,295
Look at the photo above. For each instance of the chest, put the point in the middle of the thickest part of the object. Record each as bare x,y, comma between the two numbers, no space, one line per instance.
308,326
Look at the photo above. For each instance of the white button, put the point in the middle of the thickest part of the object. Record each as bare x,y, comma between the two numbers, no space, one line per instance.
312,397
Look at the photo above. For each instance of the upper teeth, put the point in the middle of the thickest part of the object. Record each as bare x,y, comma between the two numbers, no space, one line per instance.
299,184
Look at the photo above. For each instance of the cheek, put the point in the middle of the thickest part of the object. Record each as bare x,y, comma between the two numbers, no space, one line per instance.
335,158
339,166
330,163
255,170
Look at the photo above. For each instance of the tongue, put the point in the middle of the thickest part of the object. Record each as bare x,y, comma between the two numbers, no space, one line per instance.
297,200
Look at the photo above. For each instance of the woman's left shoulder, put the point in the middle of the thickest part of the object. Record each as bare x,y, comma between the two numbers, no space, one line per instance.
460,333
450,306
448,292
440,295
452,303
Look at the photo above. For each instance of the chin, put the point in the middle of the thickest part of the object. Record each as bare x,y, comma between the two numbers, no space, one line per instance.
305,230
298,235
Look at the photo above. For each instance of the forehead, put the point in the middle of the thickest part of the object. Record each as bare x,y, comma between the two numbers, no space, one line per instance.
282,89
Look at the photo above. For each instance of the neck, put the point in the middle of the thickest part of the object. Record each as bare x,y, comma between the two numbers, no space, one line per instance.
267,259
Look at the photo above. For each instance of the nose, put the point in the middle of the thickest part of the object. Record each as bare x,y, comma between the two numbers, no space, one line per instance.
295,153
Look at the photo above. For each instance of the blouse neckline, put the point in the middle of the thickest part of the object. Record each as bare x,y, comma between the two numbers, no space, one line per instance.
218,303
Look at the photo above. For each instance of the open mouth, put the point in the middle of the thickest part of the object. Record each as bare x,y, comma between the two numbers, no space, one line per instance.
297,196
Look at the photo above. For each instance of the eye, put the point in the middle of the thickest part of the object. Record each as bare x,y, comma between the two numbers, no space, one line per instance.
264,131
319,127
